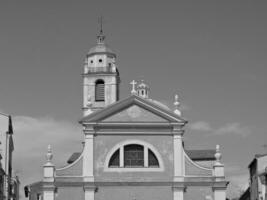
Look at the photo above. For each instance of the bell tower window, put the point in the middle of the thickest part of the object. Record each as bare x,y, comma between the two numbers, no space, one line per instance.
100,90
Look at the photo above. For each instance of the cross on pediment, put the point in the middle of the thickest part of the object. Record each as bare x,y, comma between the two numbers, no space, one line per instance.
133,83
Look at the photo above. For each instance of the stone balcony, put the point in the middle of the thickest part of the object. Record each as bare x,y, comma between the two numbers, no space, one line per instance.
105,69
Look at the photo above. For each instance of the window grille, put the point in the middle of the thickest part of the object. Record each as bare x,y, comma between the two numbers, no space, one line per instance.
115,159
134,156
152,159
100,90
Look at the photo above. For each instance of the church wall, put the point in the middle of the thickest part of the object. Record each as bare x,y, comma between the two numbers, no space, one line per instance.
134,192
74,170
197,192
104,144
70,193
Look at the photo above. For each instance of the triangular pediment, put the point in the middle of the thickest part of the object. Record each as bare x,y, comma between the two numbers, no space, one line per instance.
134,113
133,109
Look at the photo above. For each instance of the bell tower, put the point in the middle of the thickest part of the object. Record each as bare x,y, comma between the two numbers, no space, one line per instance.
100,77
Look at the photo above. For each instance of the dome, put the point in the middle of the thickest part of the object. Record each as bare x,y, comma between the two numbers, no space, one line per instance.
142,85
100,49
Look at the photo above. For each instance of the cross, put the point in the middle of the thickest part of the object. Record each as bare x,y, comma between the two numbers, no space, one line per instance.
133,83
100,21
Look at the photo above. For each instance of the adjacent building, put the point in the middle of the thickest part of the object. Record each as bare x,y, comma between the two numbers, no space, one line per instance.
2,178
257,171
9,184
133,147
258,179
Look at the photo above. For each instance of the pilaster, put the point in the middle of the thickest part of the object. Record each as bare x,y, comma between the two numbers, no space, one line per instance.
178,154
88,156
89,192
48,191
219,193
178,192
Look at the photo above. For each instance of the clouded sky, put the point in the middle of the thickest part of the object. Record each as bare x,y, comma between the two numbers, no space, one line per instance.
212,53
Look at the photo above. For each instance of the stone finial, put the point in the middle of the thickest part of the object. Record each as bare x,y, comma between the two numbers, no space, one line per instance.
133,83
49,154
177,104
49,167
218,154
218,167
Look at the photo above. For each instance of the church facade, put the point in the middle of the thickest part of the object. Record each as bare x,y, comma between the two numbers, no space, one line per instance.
133,148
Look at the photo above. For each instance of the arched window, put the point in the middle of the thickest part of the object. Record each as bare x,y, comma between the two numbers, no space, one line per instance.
133,156
100,90
152,159
115,159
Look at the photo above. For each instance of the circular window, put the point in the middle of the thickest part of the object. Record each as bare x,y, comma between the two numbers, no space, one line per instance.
92,61
100,60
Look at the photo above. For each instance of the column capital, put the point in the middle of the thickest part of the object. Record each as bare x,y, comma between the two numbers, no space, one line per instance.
89,130
49,186
49,190
222,185
179,188
88,187
177,130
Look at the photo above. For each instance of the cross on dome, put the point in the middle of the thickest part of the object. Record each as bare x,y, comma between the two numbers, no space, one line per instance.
101,36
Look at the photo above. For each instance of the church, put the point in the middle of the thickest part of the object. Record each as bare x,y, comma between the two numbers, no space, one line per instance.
133,148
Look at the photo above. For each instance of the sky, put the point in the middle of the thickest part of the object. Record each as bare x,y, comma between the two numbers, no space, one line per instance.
211,53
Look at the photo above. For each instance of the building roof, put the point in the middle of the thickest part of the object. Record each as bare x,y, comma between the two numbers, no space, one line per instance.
133,100
201,155
99,49
260,155
255,158
73,157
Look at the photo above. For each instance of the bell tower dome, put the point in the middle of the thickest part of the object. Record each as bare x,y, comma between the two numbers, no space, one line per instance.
100,77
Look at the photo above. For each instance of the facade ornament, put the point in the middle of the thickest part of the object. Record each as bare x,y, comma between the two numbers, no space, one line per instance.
177,105
89,101
49,154
218,154
133,83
